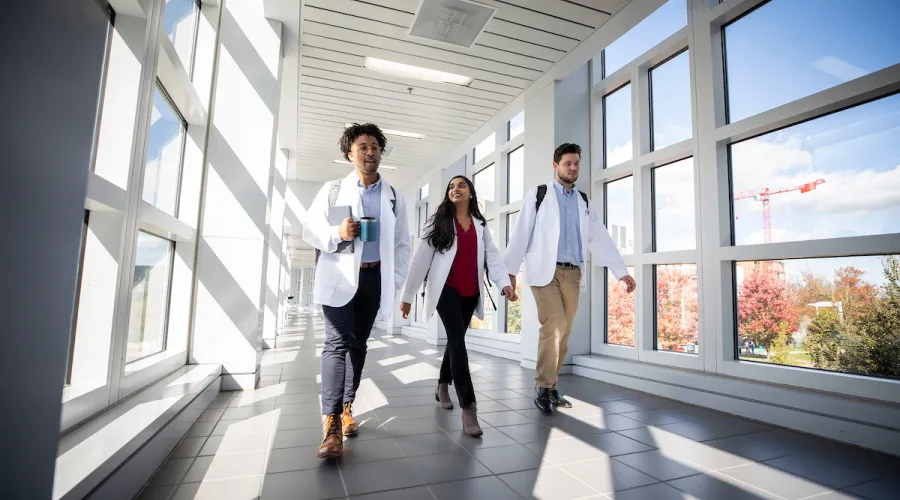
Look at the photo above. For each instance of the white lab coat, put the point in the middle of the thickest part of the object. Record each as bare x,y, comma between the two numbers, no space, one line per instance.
437,266
337,274
536,240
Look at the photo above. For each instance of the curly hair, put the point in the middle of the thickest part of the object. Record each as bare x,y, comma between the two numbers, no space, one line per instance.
442,231
355,131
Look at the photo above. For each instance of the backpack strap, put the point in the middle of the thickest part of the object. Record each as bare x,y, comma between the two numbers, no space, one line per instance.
541,193
394,200
585,198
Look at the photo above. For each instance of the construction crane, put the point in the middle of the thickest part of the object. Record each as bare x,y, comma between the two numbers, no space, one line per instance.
763,196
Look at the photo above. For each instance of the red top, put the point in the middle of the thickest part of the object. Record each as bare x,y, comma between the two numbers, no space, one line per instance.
464,271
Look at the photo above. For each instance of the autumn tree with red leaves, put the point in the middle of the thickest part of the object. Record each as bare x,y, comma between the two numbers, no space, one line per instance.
766,312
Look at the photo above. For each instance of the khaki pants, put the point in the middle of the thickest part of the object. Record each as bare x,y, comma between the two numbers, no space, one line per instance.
557,304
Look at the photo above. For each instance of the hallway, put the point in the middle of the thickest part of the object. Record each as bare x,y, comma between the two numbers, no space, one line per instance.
614,444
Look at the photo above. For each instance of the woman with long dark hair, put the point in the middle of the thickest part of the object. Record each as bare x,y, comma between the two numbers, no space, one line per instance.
456,251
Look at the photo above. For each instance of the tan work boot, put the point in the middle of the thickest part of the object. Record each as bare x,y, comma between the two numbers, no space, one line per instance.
333,444
348,425
442,395
470,421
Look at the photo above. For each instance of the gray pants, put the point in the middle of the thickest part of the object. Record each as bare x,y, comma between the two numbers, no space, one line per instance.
347,329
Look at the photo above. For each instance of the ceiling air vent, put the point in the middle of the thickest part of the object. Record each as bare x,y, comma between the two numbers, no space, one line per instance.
454,22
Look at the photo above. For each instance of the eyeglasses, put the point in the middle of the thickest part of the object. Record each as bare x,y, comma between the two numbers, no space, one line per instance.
367,149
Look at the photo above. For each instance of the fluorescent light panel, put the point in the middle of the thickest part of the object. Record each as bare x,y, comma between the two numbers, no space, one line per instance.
415,72
398,133
345,162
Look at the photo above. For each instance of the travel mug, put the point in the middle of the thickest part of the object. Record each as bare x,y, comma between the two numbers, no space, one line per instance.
368,229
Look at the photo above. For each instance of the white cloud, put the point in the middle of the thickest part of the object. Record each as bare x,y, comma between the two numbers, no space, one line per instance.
620,154
756,160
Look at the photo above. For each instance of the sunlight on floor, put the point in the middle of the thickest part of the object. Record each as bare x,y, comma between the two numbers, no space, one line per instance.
416,373
396,360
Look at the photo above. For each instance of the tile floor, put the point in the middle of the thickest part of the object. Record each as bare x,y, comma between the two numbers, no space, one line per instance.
615,443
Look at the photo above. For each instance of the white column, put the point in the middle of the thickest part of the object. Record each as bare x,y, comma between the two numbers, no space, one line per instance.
234,247
558,113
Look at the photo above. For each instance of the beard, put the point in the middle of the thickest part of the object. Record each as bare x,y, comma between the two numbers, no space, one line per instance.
569,179
369,167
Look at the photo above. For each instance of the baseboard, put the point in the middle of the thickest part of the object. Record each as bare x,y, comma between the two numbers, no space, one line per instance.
268,343
839,418
500,349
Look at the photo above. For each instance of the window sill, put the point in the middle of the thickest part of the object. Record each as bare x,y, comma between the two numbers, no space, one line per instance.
91,453
512,338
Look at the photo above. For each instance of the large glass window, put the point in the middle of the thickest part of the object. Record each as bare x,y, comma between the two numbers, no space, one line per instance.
149,296
658,26
670,101
514,309
488,322
620,213
486,147
838,314
617,140
619,311
180,19
516,175
835,176
673,206
425,191
517,125
676,308
485,187
165,152
772,59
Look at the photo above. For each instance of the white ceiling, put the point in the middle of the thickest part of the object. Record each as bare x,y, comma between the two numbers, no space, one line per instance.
523,40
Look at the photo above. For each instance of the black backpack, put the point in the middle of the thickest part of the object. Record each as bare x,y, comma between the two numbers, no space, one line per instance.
542,191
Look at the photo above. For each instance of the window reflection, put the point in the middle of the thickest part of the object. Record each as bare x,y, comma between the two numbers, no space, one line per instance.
673,206
149,297
165,150
180,24
516,175
486,147
485,183
676,308
655,28
772,59
517,125
836,314
670,94
619,311
836,176
617,127
514,309
620,213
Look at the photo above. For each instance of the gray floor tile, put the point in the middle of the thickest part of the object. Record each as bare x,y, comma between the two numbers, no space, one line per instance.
290,459
293,399
246,412
714,429
659,491
547,483
490,439
298,437
881,489
201,429
245,488
226,467
157,493
482,487
826,470
759,446
380,476
613,444
714,485
661,467
506,459
518,403
313,484
566,451
211,415
491,407
172,472
236,443
452,422
653,417
527,433
370,450
189,448
613,422
418,493
776,481
427,444
256,425
410,427
295,422
412,412
504,418
608,475
448,467
502,394
618,407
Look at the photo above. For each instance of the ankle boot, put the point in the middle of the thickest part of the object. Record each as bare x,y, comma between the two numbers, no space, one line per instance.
470,421
333,443
442,395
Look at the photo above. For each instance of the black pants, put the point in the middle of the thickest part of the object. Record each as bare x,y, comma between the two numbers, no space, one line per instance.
456,313
347,330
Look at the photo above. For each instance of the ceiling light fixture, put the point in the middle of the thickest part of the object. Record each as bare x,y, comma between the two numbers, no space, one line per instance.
398,133
345,162
415,72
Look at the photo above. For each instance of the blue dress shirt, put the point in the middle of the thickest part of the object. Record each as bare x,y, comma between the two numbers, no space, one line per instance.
371,205
569,247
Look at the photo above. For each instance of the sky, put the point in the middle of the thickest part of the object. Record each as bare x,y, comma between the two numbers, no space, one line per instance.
783,51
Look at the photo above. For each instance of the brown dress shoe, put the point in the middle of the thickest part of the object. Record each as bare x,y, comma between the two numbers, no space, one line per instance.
348,425
333,444
442,395
470,421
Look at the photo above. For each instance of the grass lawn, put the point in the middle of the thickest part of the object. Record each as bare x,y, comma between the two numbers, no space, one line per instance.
796,358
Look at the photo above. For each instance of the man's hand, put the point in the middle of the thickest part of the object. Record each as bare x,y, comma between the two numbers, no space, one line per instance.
349,229
404,308
512,281
510,294
629,284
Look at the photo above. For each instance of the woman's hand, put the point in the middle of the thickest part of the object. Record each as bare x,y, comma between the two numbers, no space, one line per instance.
404,308
510,294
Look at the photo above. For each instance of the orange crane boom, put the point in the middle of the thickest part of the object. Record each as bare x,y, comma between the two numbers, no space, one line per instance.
763,195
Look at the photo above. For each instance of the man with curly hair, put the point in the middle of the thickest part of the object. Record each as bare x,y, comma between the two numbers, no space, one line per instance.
356,281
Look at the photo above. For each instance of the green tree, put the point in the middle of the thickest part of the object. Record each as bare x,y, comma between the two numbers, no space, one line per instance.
824,338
